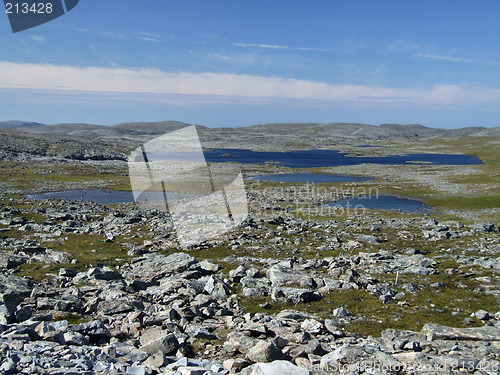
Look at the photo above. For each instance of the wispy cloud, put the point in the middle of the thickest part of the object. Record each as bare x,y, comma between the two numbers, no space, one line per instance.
311,49
148,39
273,46
155,81
38,38
277,46
149,36
427,56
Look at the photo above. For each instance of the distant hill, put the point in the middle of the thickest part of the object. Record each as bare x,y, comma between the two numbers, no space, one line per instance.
77,130
288,133
132,130
369,132
17,124
154,128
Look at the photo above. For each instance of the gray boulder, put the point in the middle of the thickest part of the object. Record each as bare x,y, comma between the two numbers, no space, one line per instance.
237,274
239,342
396,340
235,365
155,339
281,275
295,295
156,360
275,368
96,330
367,238
439,332
67,272
14,289
156,266
10,260
341,312
265,351
295,315
217,288
7,314
348,358
104,273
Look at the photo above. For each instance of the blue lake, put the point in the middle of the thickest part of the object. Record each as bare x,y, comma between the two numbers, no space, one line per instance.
384,202
312,178
332,158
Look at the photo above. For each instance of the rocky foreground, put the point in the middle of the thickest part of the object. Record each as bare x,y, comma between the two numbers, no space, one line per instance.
155,311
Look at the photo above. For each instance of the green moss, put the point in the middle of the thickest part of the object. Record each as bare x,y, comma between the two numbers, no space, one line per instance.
93,249
32,217
27,175
71,318
465,203
15,233
39,271
87,250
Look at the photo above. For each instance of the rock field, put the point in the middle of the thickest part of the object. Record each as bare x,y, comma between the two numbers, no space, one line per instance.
104,289
176,314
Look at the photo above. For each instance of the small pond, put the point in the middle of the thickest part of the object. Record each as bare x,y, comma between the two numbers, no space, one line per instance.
384,202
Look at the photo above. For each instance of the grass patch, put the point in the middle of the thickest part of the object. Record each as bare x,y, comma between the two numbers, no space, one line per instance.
72,319
39,271
28,175
465,203
87,250
371,316
15,233
93,250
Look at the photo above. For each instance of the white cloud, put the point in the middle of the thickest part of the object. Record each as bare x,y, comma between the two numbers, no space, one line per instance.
149,39
149,36
155,81
311,49
38,38
427,56
273,46
276,46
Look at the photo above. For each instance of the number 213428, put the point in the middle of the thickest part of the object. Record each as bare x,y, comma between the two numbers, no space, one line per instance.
24,8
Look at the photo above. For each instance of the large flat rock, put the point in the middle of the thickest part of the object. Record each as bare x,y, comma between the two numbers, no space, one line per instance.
439,332
157,266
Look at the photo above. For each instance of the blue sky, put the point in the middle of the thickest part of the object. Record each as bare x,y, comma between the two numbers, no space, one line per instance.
238,63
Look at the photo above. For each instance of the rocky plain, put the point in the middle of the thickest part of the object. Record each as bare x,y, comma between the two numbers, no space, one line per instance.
297,288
